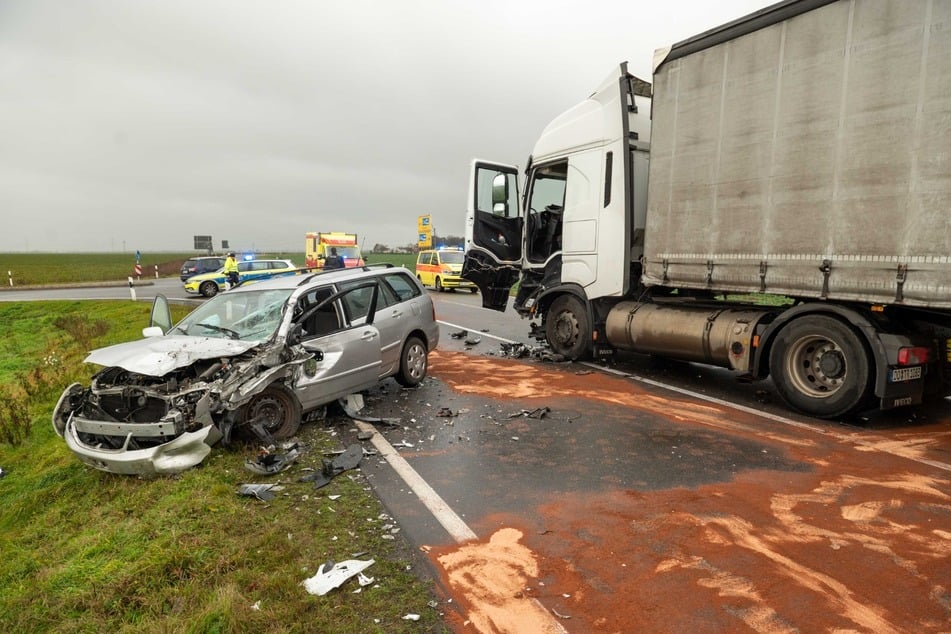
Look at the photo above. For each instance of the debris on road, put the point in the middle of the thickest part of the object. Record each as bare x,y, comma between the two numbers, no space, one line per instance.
445,412
263,492
268,463
352,406
538,413
473,341
349,459
459,334
520,351
326,580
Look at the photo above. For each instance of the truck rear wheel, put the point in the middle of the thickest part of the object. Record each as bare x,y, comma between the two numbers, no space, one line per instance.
821,367
567,328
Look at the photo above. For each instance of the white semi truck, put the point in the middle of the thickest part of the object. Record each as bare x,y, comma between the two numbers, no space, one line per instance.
778,202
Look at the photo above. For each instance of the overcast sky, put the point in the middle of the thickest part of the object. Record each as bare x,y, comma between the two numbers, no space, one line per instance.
131,124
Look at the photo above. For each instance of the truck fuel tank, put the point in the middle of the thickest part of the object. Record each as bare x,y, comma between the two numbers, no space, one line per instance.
706,334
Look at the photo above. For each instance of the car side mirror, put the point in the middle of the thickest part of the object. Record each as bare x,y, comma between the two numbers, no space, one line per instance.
152,331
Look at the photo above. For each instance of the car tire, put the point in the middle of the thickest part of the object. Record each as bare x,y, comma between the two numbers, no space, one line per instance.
414,363
208,289
279,408
439,286
473,290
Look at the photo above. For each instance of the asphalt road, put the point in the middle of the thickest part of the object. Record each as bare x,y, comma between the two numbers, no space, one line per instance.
651,497
658,497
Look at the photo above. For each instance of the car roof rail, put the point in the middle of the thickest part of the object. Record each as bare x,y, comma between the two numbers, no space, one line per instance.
378,265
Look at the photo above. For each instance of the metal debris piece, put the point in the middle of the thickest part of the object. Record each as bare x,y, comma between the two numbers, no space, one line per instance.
538,412
263,492
459,334
326,580
349,459
268,463
354,403
472,341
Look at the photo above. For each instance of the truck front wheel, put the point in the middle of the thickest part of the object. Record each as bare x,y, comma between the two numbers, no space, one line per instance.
821,367
567,328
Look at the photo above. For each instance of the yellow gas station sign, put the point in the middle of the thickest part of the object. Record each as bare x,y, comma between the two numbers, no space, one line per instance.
424,231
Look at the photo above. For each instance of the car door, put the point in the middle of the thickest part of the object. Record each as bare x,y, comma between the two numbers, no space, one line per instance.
494,224
394,319
347,356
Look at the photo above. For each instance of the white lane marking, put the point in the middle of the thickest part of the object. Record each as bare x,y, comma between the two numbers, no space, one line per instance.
443,513
480,334
773,417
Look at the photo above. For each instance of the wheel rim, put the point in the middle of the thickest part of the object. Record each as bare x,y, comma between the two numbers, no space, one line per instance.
272,408
209,289
566,329
816,366
416,361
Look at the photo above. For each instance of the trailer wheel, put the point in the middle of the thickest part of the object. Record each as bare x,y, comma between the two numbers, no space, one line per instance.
821,367
278,408
567,328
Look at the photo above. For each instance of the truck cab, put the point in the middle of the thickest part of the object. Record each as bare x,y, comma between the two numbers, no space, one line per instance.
569,232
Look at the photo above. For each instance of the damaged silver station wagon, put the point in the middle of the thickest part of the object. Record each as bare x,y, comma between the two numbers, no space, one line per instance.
256,357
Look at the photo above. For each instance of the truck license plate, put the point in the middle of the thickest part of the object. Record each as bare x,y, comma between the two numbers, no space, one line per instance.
904,374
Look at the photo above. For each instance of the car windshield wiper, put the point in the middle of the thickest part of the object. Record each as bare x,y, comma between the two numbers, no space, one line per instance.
231,333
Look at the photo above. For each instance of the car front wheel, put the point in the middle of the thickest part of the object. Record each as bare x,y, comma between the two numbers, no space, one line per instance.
208,289
413,363
277,408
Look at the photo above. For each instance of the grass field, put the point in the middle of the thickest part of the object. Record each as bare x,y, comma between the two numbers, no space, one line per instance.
87,551
28,269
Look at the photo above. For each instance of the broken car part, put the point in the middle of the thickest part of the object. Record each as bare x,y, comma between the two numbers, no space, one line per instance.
334,576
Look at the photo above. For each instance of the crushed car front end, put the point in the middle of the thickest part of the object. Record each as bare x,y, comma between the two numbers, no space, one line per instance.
132,423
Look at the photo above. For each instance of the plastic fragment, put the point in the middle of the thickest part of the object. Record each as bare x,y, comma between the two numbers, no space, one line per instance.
326,580
263,492
411,617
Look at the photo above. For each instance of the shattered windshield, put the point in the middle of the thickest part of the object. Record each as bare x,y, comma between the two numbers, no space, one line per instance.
248,316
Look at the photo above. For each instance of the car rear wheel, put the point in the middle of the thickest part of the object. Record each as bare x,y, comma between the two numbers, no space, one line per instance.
413,363
277,408
208,289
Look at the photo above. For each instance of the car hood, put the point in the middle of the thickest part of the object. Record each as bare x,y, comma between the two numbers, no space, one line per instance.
157,356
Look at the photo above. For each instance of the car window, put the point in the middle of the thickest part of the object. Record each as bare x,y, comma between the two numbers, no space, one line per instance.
425,258
244,266
324,320
403,285
357,303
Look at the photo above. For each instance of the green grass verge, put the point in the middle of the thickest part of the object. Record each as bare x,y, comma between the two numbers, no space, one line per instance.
87,551
28,269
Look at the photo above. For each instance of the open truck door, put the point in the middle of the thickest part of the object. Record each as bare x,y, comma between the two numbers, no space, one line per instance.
493,232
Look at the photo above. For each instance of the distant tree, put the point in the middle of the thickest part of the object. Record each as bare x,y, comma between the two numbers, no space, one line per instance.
380,248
